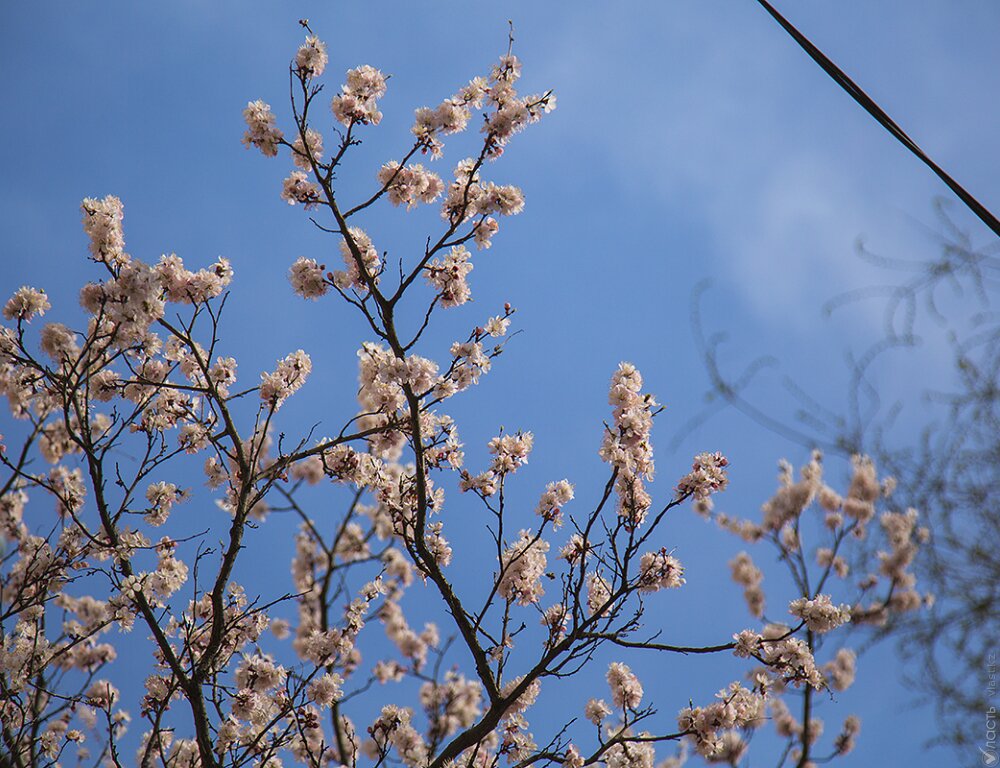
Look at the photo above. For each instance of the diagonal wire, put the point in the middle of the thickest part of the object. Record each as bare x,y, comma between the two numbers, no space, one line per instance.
873,109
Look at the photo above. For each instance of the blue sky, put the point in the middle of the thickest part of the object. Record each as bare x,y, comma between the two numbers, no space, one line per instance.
693,140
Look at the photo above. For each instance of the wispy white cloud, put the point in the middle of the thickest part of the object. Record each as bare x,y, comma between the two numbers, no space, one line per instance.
743,133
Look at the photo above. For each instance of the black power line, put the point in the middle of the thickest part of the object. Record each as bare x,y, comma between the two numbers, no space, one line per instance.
879,114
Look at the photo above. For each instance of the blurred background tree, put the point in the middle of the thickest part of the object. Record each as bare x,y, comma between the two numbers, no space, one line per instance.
938,434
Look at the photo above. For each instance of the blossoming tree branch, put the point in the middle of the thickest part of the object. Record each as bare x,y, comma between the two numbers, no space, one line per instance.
100,553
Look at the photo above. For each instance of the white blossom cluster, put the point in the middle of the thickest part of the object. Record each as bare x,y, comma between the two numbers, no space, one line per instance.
627,446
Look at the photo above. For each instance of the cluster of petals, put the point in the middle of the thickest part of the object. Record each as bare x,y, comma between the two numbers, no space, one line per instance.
382,376
573,758
26,303
556,495
311,58
707,476
506,112
827,559
789,657
357,101
522,567
128,303
471,361
68,487
511,113
307,278
410,184
510,451
448,276
170,574
749,576
863,491
183,286
102,222
286,379
500,199
483,231
840,671
393,730
626,690
820,614
556,619
790,499
658,570
904,539
598,594
262,130
259,673
845,740
904,536
297,188
524,700
737,707
631,751
306,152
450,116
325,690
785,723
452,704
351,276
56,440
468,197
162,497
485,483
627,446
596,711
411,644
575,549
746,644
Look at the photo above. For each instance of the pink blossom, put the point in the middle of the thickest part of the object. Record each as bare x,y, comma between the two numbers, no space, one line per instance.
311,58
626,690
262,131
305,153
555,497
307,278
707,476
411,184
598,594
522,567
820,614
325,690
357,102
510,451
289,376
370,262
749,576
25,304
448,275
59,342
627,447
596,711
840,672
297,188
102,221
658,570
